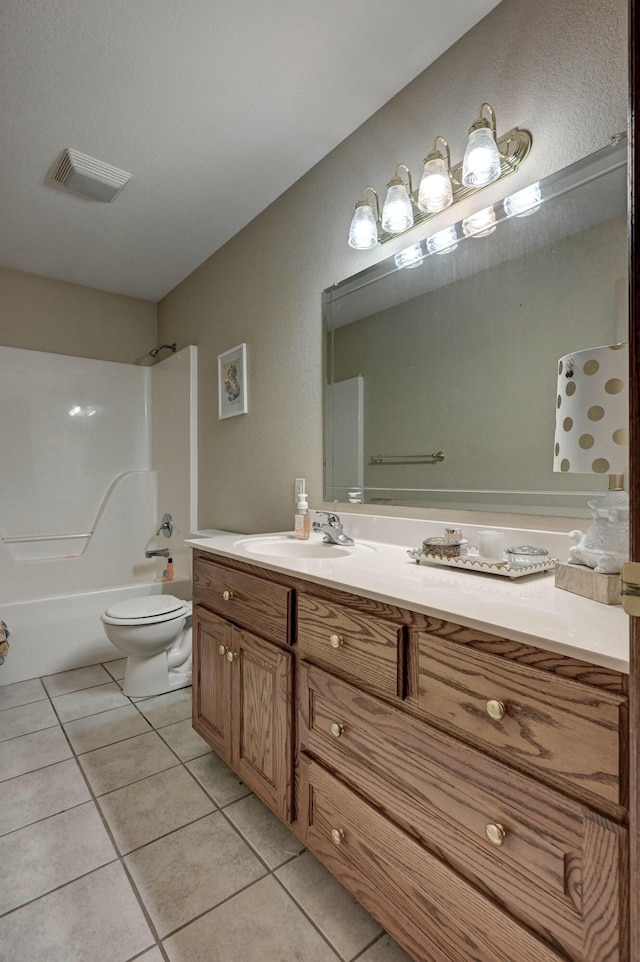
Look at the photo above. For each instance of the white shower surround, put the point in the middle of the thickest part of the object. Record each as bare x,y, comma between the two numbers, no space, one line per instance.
79,503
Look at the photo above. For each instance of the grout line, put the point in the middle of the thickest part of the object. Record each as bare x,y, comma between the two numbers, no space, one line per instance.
118,857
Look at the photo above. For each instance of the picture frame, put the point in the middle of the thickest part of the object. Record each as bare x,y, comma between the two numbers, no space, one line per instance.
232,382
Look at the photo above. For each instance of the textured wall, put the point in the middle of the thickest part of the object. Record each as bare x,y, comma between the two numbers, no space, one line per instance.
41,314
557,68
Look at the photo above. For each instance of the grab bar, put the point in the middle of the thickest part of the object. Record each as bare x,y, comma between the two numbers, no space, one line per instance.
46,537
409,458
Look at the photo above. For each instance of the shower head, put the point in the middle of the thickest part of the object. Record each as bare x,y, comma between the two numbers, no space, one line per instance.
156,350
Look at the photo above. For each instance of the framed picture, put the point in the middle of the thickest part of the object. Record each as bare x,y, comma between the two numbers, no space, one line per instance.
232,382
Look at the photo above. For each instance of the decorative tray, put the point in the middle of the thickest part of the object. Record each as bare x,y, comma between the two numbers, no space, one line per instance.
486,565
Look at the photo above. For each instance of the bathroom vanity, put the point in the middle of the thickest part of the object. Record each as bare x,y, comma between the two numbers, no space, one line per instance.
450,746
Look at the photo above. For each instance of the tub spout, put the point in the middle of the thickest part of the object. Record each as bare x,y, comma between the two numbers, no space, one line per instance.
157,553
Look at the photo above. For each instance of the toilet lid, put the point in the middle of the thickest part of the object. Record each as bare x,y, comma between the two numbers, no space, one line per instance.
146,606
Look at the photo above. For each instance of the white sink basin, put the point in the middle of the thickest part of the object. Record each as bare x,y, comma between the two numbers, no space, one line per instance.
286,546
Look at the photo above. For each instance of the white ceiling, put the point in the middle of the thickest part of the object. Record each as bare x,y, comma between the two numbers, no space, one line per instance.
215,106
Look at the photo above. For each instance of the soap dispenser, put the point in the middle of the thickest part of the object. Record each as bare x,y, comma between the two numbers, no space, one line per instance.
302,526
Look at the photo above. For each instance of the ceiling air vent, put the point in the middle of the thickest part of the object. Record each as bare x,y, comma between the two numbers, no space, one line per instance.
89,176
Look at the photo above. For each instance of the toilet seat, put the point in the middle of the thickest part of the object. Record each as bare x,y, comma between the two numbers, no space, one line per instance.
145,610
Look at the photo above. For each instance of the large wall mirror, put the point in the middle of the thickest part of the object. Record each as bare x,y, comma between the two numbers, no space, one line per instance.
459,352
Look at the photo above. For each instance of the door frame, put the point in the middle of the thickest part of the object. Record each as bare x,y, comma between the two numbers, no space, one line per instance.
634,468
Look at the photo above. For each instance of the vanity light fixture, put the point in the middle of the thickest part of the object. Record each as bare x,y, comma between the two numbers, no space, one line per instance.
487,159
397,210
363,232
436,192
444,241
410,257
524,202
481,224
481,164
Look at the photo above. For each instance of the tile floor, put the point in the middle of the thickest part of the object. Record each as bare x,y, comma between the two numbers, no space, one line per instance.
123,837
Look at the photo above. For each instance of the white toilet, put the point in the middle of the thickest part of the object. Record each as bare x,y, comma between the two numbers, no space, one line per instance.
154,631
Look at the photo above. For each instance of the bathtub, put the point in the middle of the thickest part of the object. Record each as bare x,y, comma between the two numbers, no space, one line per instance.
62,632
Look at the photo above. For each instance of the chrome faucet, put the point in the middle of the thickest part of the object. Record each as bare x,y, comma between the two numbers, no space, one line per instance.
157,553
332,529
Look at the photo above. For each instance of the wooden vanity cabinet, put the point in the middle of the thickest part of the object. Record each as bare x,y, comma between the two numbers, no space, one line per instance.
468,790
242,703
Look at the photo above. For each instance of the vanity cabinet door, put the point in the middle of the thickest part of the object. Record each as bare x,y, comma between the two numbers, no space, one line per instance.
261,698
212,680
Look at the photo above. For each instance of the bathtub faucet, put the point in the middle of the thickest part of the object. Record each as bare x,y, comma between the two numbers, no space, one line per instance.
157,553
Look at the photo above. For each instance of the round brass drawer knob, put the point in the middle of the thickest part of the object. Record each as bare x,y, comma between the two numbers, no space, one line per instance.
227,595
496,709
336,641
337,835
231,656
495,834
223,649
336,729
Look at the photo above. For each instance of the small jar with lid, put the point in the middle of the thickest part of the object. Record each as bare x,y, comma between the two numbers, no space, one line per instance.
443,547
526,554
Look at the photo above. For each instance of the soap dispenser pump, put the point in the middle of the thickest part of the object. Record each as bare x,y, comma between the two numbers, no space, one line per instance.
302,526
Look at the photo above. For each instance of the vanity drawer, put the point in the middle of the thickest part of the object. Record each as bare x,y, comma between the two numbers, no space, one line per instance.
255,603
421,901
562,730
552,863
356,646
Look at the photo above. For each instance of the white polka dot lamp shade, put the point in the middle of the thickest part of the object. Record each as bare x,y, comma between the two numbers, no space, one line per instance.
592,411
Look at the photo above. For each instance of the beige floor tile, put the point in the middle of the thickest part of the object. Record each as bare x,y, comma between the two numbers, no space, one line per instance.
167,709
347,926
89,701
105,728
386,950
96,918
272,840
42,856
186,743
74,680
116,668
192,870
25,754
155,955
153,807
261,924
118,765
218,779
21,692
26,718
39,794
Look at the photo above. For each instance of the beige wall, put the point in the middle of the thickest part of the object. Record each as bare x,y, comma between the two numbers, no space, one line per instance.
556,68
41,314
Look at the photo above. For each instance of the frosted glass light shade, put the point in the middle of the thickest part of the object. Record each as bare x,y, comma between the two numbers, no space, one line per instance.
524,202
363,232
481,224
592,411
435,191
397,213
445,240
481,164
410,256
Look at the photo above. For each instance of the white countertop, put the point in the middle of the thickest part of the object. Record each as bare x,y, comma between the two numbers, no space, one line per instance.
530,610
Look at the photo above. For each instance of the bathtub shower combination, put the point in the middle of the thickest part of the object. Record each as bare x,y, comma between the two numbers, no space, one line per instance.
80,492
